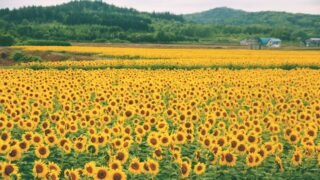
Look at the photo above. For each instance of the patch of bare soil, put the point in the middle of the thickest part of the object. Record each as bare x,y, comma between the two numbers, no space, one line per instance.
5,59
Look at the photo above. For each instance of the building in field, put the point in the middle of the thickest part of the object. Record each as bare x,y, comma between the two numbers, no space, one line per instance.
270,42
258,43
252,43
315,42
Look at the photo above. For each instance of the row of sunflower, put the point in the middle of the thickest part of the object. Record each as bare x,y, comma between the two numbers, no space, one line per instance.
177,57
163,124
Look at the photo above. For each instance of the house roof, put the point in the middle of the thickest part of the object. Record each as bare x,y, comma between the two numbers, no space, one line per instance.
264,41
314,39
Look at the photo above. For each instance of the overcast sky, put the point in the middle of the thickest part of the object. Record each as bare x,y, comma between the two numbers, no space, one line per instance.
190,6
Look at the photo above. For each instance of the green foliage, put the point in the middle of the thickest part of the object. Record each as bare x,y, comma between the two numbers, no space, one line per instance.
227,16
96,21
19,57
46,43
286,26
6,40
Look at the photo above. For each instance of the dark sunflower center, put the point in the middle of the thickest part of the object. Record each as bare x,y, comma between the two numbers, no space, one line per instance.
229,158
39,169
153,141
180,137
135,166
102,174
117,176
42,151
153,167
199,168
184,169
8,170
13,153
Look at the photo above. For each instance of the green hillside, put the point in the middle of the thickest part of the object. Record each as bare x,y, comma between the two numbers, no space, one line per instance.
86,21
227,16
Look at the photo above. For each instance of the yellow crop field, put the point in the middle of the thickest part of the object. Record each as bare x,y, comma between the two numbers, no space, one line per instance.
159,90
161,124
180,57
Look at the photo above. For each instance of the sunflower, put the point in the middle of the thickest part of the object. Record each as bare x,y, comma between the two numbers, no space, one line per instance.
101,173
54,168
74,175
4,147
279,148
117,175
263,152
140,131
233,143
252,138
79,146
115,164
106,119
89,168
138,139
24,146
153,141
293,138
40,170
42,151
92,149
51,140
135,166
165,140
221,141
180,138
228,159
14,154
250,159
157,154
206,142
102,139
241,137
216,149
67,148
296,158
199,168
269,147
185,169
5,136
52,176
145,167
117,143
153,166
37,139
122,156
9,169
312,133
242,148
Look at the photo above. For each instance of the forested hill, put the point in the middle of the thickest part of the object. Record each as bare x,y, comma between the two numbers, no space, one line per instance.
83,21
228,16
87,13
96,21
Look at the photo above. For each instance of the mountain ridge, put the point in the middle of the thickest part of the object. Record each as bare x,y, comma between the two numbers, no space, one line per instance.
229,16
97,21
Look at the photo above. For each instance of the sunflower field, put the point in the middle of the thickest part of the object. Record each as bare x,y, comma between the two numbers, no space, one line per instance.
132,123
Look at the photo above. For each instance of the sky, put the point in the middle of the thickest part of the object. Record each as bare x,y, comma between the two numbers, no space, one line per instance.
191,6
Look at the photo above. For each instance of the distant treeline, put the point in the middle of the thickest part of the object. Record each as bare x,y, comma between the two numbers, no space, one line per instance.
96,21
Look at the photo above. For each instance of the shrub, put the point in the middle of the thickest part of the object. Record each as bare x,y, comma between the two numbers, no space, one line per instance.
6,40
46,43
19,57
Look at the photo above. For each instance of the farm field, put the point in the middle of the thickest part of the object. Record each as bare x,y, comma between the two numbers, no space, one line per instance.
158,58
156,113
